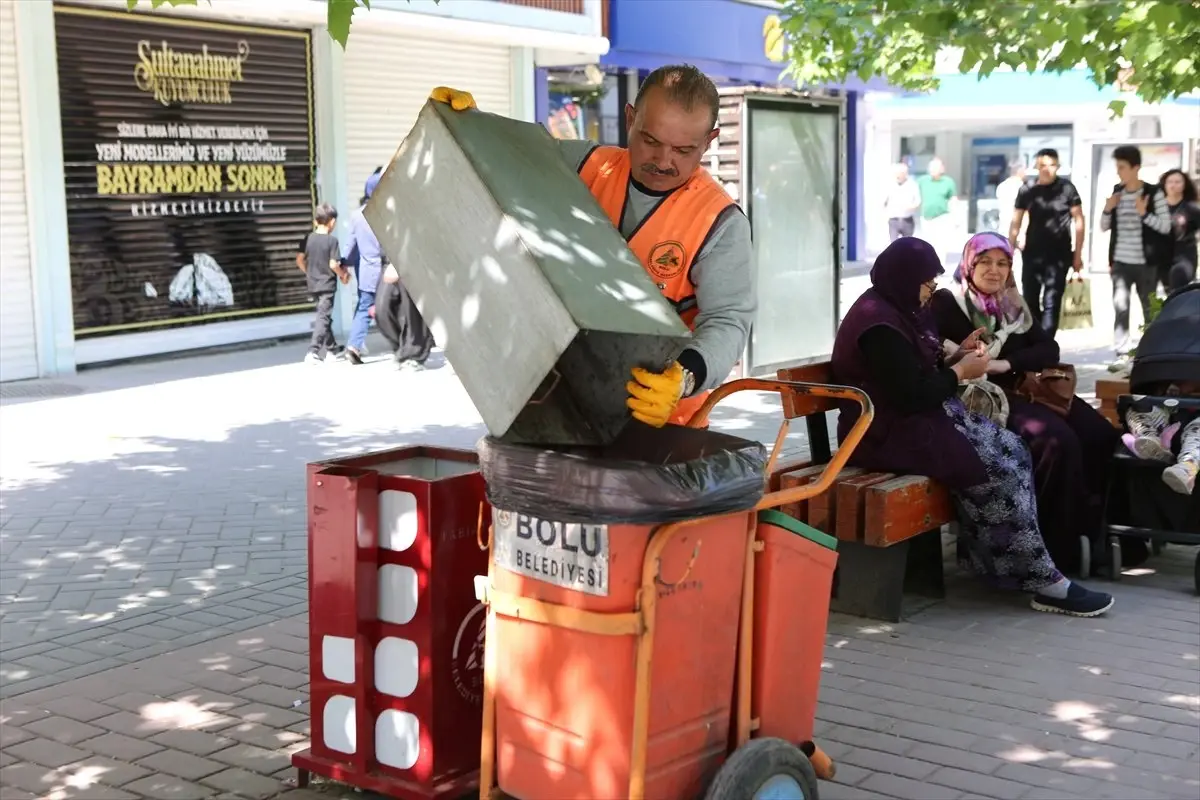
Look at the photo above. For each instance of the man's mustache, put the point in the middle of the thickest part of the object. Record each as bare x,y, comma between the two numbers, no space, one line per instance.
653,170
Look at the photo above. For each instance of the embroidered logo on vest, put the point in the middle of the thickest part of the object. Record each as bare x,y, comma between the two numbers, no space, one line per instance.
666,260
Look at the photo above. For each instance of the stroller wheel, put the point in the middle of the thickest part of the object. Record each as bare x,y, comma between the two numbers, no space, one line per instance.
1114,562
1085,557
1156,547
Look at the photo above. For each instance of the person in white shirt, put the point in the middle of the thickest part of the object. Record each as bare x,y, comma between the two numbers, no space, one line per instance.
901,204
1006,192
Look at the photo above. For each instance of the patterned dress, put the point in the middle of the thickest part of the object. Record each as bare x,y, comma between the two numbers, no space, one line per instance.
998,519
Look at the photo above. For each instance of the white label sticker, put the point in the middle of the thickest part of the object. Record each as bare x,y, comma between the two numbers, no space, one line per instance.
572,555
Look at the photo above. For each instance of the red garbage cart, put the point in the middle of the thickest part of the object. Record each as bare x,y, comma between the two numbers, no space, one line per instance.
648,689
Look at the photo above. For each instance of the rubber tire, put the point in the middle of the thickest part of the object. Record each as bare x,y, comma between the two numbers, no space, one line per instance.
754,763
1156,547
1114,566
1085,557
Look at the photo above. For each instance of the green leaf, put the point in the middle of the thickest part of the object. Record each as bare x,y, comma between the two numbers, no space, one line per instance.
338,18
1182,67
1117,109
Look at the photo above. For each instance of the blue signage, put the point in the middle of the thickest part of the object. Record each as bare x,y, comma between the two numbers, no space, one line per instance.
729,40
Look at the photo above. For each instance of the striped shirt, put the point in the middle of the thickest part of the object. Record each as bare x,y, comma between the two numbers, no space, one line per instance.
1128,248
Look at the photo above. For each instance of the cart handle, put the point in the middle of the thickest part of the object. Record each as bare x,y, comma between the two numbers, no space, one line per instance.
797,494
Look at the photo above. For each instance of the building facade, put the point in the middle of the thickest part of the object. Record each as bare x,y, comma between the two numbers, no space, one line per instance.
978,127
158,171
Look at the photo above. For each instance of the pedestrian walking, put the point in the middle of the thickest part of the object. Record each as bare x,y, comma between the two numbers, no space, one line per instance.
938,196
401,323
363,249
901,204
1136,215
1053,242
1184,208
321,264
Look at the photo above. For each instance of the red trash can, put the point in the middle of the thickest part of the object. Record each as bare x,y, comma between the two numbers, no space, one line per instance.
395,630
793,580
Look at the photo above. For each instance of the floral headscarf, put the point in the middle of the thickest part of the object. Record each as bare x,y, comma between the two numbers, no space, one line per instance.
1005,310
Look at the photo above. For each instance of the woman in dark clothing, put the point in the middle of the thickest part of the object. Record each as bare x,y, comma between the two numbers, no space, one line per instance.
1071,454
1184,209
888,347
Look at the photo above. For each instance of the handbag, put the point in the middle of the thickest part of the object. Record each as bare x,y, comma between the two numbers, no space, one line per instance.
1076,304
1053,387
981,396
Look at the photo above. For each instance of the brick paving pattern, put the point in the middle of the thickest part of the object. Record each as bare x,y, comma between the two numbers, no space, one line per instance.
153,610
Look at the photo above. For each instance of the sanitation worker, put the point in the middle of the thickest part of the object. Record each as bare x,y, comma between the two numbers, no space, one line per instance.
689,234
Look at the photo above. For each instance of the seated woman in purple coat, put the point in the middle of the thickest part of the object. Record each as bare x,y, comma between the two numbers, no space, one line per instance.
1070,453
887,346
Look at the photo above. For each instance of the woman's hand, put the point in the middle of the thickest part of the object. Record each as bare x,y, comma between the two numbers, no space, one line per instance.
972,365
971,344
972,341
999,367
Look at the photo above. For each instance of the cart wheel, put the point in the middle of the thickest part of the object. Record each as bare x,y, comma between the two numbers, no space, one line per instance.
1114,560
765,769
1085,557
1156,547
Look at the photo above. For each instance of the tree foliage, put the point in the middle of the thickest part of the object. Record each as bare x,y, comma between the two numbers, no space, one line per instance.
1150,47
338,17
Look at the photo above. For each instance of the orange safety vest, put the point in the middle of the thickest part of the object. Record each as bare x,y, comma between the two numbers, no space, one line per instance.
668,240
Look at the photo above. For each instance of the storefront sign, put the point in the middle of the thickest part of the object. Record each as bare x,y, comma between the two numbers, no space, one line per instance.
188,152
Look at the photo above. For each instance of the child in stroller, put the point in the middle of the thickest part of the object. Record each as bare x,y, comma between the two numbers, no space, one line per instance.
1162,430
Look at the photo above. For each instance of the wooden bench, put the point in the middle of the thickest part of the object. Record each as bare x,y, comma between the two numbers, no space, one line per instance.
1109,392
888,526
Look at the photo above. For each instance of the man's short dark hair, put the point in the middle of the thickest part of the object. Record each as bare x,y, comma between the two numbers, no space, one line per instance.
1047,152
325,214
1128,153
685,85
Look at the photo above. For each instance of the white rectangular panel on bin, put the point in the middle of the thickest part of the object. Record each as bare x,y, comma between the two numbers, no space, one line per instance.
398,521
397,739
398,591
397,666
341,722
337,658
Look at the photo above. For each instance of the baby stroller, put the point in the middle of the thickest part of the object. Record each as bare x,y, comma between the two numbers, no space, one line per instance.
1137,502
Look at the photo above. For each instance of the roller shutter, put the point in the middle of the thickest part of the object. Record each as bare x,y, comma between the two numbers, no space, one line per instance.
18,333
387,78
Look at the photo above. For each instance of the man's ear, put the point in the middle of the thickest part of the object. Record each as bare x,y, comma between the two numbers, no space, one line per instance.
630,114
713,134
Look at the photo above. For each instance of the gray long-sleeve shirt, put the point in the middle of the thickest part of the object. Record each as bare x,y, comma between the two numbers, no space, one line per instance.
722,273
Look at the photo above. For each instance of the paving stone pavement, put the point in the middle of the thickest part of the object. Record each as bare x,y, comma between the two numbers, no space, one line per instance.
153,608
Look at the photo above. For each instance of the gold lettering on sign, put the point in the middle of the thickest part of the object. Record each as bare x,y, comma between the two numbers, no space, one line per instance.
176,76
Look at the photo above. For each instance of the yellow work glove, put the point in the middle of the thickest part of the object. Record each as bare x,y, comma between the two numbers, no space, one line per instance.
653,397
459,101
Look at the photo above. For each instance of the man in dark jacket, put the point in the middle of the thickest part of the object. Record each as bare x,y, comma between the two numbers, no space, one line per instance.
1136,215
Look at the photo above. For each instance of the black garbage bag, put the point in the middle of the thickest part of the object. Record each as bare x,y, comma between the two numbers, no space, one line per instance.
646,476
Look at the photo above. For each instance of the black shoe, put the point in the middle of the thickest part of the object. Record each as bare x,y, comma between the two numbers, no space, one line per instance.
353,356
1079,602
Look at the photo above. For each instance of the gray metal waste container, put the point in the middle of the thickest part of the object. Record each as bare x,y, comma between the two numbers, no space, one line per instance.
536,298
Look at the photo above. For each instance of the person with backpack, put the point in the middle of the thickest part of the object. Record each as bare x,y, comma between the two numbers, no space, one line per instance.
1140,244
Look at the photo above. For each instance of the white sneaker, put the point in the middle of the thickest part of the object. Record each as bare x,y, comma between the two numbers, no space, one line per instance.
313,358
1181,476
411,366
1146,428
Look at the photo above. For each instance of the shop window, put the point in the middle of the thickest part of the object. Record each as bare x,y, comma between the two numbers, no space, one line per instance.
584,104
